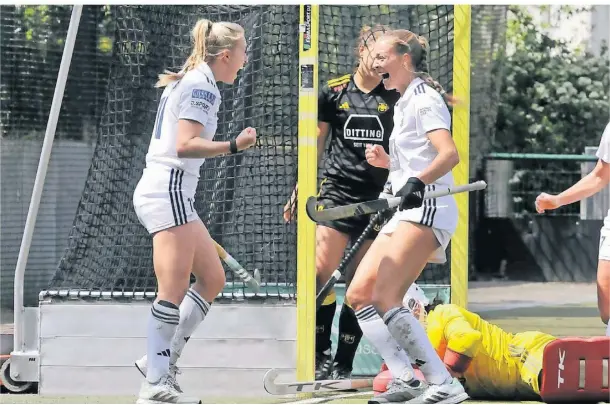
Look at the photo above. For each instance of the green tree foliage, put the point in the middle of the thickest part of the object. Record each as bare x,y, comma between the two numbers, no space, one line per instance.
553,99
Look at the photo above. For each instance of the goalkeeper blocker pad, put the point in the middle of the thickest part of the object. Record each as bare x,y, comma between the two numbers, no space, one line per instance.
576,370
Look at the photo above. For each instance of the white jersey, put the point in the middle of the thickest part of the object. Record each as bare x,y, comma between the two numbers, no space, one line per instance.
421,109
165,194
194,97
603,153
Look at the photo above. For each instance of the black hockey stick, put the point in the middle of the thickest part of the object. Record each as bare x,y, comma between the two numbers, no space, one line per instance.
346,259
369,207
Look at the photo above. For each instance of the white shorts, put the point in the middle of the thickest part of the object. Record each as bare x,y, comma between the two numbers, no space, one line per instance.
164,198
440,214
604,243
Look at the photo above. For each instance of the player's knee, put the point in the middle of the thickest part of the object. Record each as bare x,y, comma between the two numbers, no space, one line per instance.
357,297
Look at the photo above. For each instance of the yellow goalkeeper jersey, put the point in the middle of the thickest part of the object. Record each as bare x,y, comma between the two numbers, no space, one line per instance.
503,365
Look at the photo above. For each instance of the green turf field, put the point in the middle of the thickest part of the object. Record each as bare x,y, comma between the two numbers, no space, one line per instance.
568,320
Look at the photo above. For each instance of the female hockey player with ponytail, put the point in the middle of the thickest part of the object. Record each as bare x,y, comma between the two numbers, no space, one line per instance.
182,138
354,109
422,155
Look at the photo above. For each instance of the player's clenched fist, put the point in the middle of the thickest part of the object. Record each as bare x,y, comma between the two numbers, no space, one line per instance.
376,156
246,138
547,202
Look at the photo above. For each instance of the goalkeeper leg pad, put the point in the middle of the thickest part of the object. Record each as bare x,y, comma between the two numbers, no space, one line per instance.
575,370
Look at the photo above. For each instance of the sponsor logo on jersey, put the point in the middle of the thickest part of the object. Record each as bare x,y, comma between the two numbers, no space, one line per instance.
363,127
425,110
382,107
204,95
201,104
344,106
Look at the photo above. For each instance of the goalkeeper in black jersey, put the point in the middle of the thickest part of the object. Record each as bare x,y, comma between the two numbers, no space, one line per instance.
354,110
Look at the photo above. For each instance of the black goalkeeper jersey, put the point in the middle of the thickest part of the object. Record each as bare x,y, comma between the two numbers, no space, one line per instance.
356,119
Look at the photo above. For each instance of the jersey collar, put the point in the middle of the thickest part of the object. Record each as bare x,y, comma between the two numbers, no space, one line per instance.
205,69
414,83
353,88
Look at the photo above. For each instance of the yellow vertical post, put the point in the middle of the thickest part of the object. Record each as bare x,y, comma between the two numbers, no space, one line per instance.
461,136
307,179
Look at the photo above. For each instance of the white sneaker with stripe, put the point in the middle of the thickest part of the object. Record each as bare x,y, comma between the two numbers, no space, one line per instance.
451,392
163,392
142,366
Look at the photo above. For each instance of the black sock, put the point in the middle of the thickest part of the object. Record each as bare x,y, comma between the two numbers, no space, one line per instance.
349,337
324,324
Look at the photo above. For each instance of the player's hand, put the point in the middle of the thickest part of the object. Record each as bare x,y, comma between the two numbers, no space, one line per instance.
412,194
376,156
546,202
246,138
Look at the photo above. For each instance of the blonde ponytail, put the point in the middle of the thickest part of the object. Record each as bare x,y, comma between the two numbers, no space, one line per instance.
209,40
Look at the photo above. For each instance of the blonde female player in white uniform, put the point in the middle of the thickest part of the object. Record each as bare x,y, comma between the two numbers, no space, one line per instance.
422,154
164,201
589,185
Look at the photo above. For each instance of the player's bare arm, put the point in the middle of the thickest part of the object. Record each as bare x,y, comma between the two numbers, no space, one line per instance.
447,157
189,144
589,185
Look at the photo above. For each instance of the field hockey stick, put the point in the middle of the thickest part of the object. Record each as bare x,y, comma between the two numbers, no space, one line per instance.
252,281
278,388
323,293
369,207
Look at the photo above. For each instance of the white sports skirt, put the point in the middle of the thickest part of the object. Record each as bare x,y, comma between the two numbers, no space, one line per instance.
604,243
164,198
440,214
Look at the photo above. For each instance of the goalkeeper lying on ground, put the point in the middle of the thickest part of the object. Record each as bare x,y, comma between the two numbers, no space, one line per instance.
494,364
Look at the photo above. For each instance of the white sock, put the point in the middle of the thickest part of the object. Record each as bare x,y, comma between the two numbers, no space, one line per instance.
193,310
608,329
162,323
412,337
377,333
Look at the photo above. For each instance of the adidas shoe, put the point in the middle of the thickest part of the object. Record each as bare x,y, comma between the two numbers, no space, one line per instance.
142,364
324,365
451,392
163,392
401,390
340,372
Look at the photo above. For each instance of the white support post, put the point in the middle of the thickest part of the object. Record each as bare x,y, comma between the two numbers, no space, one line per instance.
21,370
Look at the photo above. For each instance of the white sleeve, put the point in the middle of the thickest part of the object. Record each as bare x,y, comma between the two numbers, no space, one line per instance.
432,114
603,152
198,103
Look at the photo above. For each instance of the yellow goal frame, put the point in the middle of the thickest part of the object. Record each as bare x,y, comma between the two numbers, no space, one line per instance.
307,174
307,179
461,137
